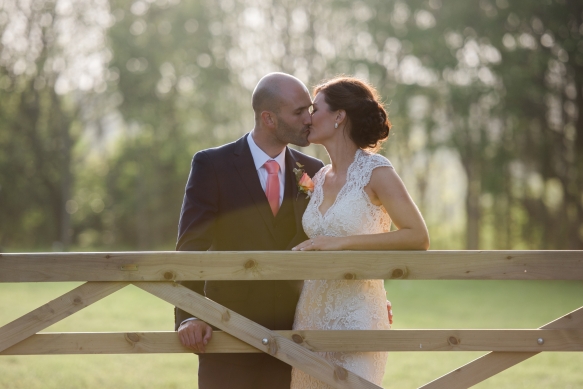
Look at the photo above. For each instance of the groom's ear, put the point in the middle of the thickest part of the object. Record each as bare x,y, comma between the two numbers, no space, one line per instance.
268,119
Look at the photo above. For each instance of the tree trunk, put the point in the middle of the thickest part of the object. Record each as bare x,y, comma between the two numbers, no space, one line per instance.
63,123
473,211
577,235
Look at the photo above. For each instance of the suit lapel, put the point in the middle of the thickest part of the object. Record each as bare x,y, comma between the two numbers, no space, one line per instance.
246,167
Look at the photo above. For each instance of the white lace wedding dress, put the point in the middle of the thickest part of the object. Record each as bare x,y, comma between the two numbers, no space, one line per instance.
339,304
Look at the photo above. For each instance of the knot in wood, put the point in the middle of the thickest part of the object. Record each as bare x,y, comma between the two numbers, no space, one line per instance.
453,341
350,276
77,300
509,257
226,316
108,256
340,373
250,264
133,337
169,275
297,338
398,273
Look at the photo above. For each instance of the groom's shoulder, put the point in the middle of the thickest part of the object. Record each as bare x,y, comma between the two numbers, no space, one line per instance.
220,151
311,164
305,158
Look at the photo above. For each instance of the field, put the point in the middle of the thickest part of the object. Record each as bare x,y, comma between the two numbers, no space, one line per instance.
417,304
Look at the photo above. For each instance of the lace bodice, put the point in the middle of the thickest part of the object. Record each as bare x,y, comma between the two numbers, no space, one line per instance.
352,212
342,304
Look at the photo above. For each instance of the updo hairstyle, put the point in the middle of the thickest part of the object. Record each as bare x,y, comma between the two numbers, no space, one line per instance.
369,122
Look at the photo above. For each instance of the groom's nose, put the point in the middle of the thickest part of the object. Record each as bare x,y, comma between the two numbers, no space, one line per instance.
307,118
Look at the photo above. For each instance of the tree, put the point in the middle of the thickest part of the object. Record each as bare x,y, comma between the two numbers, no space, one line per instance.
40,69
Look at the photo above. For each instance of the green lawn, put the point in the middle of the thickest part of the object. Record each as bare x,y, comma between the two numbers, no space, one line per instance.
417,304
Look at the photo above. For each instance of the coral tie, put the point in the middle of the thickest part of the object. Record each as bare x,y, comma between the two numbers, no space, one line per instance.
272,186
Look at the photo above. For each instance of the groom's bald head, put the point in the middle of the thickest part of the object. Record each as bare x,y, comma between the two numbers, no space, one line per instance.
282,112
275,90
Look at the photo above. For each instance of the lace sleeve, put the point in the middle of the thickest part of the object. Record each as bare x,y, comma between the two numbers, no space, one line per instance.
369,163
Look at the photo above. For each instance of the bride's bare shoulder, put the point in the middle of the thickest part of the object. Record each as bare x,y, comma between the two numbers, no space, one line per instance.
385,179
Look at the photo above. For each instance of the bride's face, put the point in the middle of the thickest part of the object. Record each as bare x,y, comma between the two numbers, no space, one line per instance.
322,120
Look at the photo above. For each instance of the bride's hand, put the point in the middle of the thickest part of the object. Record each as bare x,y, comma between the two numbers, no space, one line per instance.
324,243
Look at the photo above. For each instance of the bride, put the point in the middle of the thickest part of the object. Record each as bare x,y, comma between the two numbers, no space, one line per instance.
354,200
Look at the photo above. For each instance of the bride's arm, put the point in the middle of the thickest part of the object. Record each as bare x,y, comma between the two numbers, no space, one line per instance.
386,188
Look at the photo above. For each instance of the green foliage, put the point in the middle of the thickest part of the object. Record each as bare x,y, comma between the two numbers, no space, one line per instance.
35,149
484,98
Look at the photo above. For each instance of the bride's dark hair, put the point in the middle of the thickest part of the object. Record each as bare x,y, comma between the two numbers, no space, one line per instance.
369,122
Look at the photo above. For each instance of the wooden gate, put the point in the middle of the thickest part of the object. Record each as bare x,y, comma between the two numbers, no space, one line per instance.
156,273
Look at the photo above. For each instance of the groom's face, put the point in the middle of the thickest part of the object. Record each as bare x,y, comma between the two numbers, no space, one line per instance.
293,117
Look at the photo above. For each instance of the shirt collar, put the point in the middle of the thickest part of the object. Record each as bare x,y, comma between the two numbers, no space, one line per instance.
259,156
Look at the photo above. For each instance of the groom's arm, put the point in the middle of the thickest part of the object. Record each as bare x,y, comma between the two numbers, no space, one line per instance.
199,207
197,217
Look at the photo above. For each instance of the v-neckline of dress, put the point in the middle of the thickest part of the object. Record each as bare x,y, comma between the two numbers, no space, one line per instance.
323,215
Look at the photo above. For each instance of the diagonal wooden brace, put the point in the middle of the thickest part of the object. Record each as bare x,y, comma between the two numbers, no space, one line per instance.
495,362
55,310
253,334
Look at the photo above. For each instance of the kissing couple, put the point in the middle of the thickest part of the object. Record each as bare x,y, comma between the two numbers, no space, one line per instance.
257,194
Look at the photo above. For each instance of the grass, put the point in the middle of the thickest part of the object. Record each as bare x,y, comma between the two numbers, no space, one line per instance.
489,305
417,304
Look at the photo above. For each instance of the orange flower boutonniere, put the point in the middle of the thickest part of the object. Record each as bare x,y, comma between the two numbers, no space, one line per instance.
305,184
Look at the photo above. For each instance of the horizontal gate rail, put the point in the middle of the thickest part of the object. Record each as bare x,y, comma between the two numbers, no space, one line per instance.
372,340
288,265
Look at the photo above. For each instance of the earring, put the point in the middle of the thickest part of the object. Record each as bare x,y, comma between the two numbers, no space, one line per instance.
335,125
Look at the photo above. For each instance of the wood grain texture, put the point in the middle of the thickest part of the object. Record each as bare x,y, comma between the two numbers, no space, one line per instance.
288,265
55,310
496,362
252,333
222,342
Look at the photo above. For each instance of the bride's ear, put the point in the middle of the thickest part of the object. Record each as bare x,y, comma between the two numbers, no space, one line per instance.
340,116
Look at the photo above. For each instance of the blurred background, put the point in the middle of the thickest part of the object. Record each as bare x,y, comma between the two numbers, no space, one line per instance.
103,104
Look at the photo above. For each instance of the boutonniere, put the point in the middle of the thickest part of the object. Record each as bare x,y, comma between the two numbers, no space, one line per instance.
305,184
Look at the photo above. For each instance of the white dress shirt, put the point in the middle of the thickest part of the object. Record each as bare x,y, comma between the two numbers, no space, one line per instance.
259,157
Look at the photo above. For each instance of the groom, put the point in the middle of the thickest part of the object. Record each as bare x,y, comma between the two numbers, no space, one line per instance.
243,196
